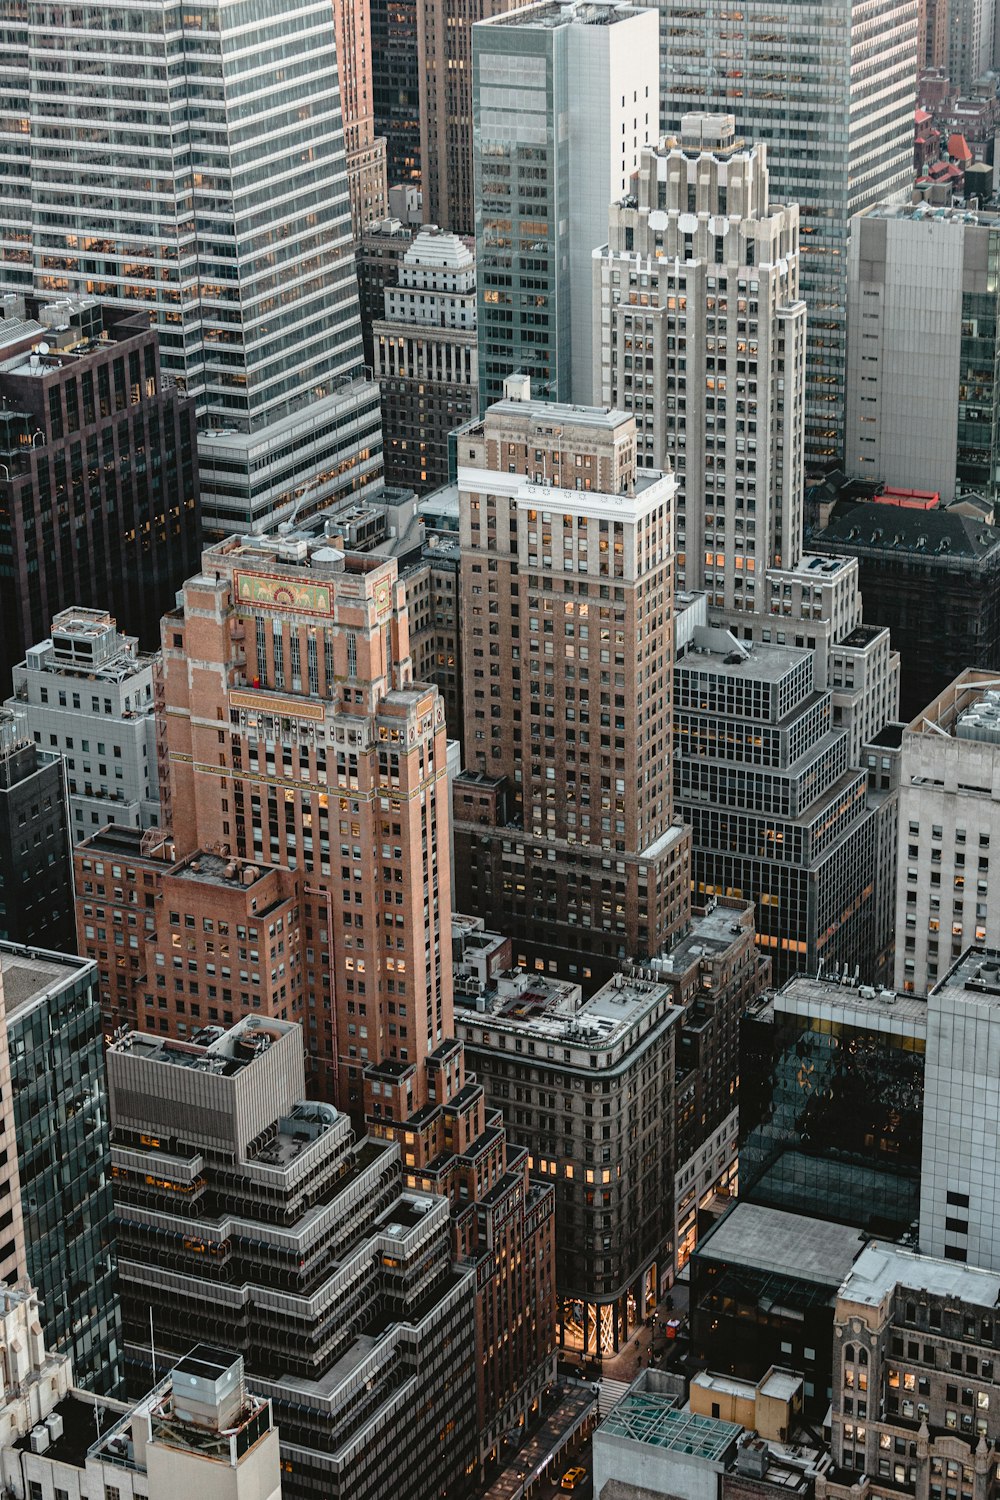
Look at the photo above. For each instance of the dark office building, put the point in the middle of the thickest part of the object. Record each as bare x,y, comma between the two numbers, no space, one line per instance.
778,816
763,1292
251,1215
831,1104
98,475
931,576
396,86
36,882
55,1042
378,258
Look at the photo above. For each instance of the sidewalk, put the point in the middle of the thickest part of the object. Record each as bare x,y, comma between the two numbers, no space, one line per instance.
625,1365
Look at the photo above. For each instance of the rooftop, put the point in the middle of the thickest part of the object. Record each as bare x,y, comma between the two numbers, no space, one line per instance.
880,1268
82,1416
646,1417
919,212
206,868
709,652
533,1005
713,930
976,974
551,13
768,1239
29,974
867,526
876,1008
213,1049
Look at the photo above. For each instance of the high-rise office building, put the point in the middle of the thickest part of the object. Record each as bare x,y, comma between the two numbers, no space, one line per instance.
700,332
914,1408
396,87
36,879
959,1212
364,148
379,256
970,26
98,473
87,691
949,832
426,358
564,95
229,225
831,1103
776,804
634,1122
334,770
60,1125
931,577
444,58
248,1212
923,293
565,835
329,747
831,91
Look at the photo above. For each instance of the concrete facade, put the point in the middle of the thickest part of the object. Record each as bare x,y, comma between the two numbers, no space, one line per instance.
922,294
90,679
949,834
699,330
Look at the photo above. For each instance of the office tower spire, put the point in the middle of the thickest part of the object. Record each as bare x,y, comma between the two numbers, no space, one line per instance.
180,161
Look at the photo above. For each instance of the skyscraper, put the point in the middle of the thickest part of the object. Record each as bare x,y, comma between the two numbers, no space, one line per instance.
364,148
564,822
59,1109
700,331
563,97
444,57
426,358
330,752
396,86
830,89
98,473
924,290
36,881
181,162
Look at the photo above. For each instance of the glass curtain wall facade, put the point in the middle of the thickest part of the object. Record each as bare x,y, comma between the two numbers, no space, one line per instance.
55,1039
977,466
396,86
192,162
521,169
830,89
831,1107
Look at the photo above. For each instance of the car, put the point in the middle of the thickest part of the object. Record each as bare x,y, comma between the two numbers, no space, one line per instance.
572,1478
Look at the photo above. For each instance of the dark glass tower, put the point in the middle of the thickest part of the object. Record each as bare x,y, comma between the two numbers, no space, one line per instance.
831,1104
54,1036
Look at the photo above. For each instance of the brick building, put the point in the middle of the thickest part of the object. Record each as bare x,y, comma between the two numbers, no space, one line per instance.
565,834
307,776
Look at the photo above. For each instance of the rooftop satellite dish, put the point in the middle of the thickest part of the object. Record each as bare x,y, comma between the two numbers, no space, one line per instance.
42,349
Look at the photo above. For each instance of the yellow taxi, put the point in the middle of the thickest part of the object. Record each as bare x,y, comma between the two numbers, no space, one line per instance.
572,1478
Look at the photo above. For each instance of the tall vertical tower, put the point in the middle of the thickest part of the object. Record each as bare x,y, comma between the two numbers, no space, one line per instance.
830,88
444,57
297,736
564,97
396,86
566,601
178,160
700,331
364,148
